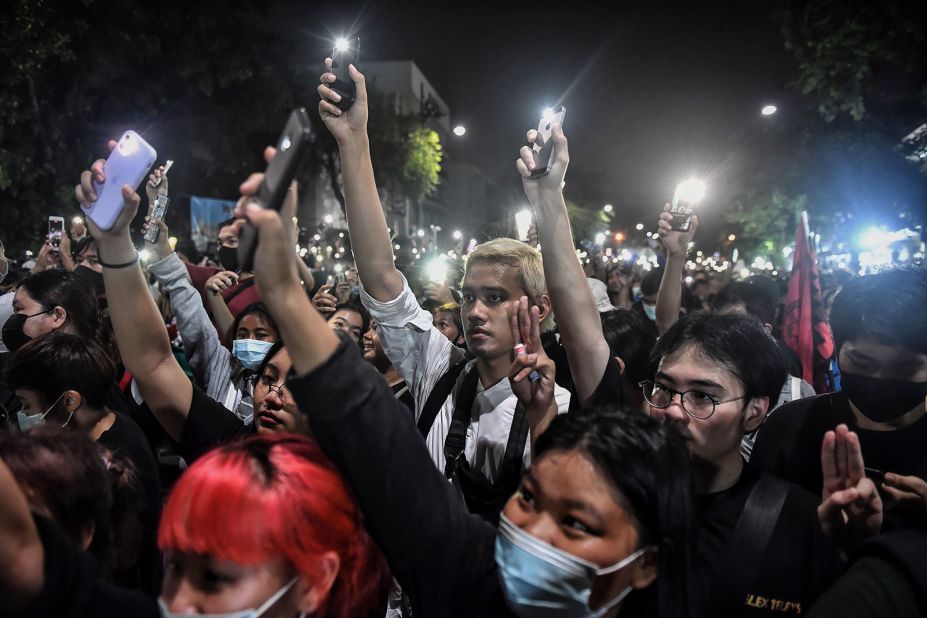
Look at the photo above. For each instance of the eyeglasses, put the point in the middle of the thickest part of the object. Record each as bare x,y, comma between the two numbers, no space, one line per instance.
697,404
268,383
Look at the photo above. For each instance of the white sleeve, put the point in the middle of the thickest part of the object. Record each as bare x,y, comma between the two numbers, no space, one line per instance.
417,350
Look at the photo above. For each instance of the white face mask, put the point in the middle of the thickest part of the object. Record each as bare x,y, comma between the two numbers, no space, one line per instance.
245,613
27,421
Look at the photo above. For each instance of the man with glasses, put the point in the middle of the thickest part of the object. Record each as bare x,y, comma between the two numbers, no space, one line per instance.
760,547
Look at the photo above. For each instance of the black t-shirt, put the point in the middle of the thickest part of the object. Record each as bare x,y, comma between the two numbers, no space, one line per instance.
608,394
71,588
789,446
798,563
126,440
208,425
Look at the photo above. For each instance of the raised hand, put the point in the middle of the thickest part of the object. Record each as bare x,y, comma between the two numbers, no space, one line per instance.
324,301
86,195
344,126
850,509
537,395
221,281
438,292
676,243
152,188
550,186
162,246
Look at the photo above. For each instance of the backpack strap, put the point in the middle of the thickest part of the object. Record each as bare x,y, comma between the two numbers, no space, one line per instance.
437,396
750,539
456,440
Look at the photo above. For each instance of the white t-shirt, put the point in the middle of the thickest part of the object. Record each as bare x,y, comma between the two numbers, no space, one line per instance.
422,354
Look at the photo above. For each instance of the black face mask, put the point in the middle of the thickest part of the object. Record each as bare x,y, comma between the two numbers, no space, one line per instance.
880,399
13,335
228,257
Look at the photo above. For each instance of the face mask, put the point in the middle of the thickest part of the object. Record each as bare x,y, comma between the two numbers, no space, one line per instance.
250,352
27,421
540,580
650,311
245,613
228,257
880,399
13,335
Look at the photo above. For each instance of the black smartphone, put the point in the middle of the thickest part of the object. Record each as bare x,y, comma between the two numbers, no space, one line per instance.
291,147
345,53
543,147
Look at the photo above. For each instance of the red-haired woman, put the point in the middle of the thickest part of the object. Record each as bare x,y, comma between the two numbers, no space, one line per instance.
265,526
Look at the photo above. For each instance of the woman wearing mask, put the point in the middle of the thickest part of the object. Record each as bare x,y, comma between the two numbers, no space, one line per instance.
264,527
55,300
226,373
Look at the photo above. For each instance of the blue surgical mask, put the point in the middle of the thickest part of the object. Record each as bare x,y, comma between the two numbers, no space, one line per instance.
27,421
250,352
650,311
542,581
245,613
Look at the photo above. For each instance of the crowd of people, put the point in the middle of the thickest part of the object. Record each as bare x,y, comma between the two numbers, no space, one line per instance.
182,440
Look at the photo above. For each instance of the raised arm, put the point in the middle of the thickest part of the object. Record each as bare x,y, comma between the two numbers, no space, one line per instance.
22,557
669,298
373,250
140,333
570,297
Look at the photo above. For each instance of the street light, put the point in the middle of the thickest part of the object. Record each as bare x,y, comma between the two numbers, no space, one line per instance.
328,219
608,208
732,237
457,234
639,227
460,130
769,110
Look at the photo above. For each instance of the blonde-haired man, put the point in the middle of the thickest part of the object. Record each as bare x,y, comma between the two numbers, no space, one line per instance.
473,426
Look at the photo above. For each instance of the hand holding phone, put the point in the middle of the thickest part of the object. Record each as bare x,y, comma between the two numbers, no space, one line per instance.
128,164
55,231
291,147
688,196
543,146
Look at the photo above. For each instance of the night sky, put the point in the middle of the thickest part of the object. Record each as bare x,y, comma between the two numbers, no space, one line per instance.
655,91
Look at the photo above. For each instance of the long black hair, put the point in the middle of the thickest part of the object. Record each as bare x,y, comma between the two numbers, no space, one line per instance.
648,465
256,308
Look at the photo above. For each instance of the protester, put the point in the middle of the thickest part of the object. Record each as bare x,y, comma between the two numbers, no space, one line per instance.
91,493
618,284
65,380
473,426
447,320
881,349
600,515
226,373
374,354
646,306
352,318
726,372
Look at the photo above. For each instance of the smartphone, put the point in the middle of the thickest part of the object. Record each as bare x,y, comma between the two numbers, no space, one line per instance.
291,147
55,230
543,146
167,167
345,53
686,199
128,164
157,215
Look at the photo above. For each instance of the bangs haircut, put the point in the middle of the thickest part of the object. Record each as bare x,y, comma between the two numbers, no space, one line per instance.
886,306
276,497
527,262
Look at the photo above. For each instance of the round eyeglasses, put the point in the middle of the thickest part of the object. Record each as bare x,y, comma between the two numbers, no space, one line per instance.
697,404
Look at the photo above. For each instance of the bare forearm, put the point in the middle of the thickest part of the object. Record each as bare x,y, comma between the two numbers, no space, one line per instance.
669,298
221,315
373,251
571,299
305,275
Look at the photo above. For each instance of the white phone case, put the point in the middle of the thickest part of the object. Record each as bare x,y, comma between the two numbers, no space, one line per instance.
128,164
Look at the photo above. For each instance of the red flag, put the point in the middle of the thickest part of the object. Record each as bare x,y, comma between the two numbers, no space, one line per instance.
805,327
